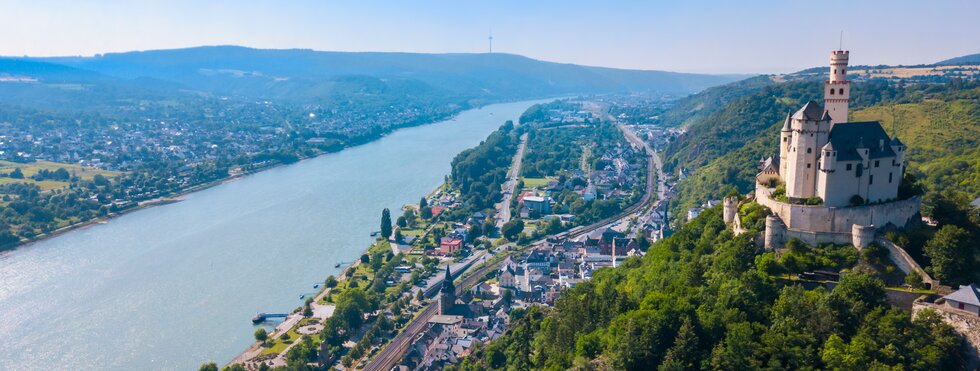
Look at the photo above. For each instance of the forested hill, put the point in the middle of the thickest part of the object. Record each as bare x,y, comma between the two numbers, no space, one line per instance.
940,124
307,76
702,299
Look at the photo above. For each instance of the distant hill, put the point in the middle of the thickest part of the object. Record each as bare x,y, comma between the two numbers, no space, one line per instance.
308,76
966,59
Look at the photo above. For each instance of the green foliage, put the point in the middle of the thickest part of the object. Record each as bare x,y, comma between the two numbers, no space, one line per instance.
261,335
697,300
511,229
385,223
210,366
479,172
950,253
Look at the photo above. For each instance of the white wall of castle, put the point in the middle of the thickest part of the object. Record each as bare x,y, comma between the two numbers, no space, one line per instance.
878,182
833,221
802,153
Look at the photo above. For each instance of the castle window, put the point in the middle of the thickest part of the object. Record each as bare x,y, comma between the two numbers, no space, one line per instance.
849,167
889,178
831,91
876,163
871,179
807,166
842,91
809,150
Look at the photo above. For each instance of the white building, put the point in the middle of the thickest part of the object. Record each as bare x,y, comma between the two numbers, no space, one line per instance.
840,177
843,163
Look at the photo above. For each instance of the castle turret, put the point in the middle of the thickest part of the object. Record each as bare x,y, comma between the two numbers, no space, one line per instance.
785,136
899,148
828,160
729,209
837,89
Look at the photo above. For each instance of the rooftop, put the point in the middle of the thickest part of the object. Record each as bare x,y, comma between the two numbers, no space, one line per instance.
968,294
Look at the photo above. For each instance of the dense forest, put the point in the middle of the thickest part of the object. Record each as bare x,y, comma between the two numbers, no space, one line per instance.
702,299
478,172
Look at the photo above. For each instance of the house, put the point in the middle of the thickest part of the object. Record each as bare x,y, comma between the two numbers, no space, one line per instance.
436,210
508,276
477,218
967,298
449,245
539,204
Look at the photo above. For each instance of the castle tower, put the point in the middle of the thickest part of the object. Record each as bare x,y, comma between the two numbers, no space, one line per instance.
447,294
785,136
837,90
810,132
729,209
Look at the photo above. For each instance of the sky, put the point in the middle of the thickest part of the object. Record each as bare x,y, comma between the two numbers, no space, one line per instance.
686,36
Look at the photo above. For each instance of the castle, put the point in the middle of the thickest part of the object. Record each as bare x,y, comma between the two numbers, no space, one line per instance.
834,181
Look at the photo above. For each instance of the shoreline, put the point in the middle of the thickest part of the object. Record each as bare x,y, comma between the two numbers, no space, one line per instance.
179,195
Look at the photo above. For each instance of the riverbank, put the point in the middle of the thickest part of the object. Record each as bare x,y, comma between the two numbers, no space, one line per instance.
211,261
177,196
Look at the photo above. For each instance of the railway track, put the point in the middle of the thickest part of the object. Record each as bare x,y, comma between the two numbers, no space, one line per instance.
389,355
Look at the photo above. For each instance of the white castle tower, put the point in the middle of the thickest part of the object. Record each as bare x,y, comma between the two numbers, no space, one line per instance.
837,90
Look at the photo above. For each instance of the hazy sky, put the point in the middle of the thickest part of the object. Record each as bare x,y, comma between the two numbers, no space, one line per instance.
692,36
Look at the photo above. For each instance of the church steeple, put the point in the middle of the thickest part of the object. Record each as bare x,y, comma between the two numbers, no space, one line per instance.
447,294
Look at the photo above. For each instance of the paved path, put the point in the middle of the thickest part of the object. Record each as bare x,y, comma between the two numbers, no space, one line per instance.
503,207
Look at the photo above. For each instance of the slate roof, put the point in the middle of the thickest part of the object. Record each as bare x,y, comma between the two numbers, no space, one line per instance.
786,124
969,294
847,138
811,111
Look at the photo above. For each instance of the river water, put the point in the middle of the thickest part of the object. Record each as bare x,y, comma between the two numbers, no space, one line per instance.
172,286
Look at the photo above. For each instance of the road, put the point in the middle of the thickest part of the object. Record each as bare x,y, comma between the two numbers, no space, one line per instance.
503,207
389,356
655,163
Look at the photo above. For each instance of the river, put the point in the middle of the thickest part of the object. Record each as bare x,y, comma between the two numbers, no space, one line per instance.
173,286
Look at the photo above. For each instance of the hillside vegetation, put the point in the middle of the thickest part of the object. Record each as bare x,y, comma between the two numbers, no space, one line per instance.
938,122
700,300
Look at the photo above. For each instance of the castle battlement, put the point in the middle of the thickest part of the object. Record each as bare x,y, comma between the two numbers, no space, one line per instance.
852,170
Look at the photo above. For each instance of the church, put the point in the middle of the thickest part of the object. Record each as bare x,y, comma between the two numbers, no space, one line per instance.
834,181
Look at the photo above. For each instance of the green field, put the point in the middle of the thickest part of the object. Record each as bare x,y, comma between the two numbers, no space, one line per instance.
536,182
29,169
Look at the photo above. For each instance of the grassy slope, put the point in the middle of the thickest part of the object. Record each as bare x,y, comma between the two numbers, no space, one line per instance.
943,137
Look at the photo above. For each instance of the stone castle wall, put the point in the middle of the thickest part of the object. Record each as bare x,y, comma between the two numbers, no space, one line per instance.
822,224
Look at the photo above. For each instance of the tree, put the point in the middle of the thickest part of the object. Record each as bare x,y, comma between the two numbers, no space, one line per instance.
16,174
426,212
419,296
261,335
330,282
385,223
914,280
950,255
422,203
686,352
210,366
512,229
398,235
401,222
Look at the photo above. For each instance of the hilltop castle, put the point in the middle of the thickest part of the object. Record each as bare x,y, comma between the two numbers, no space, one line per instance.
834,181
